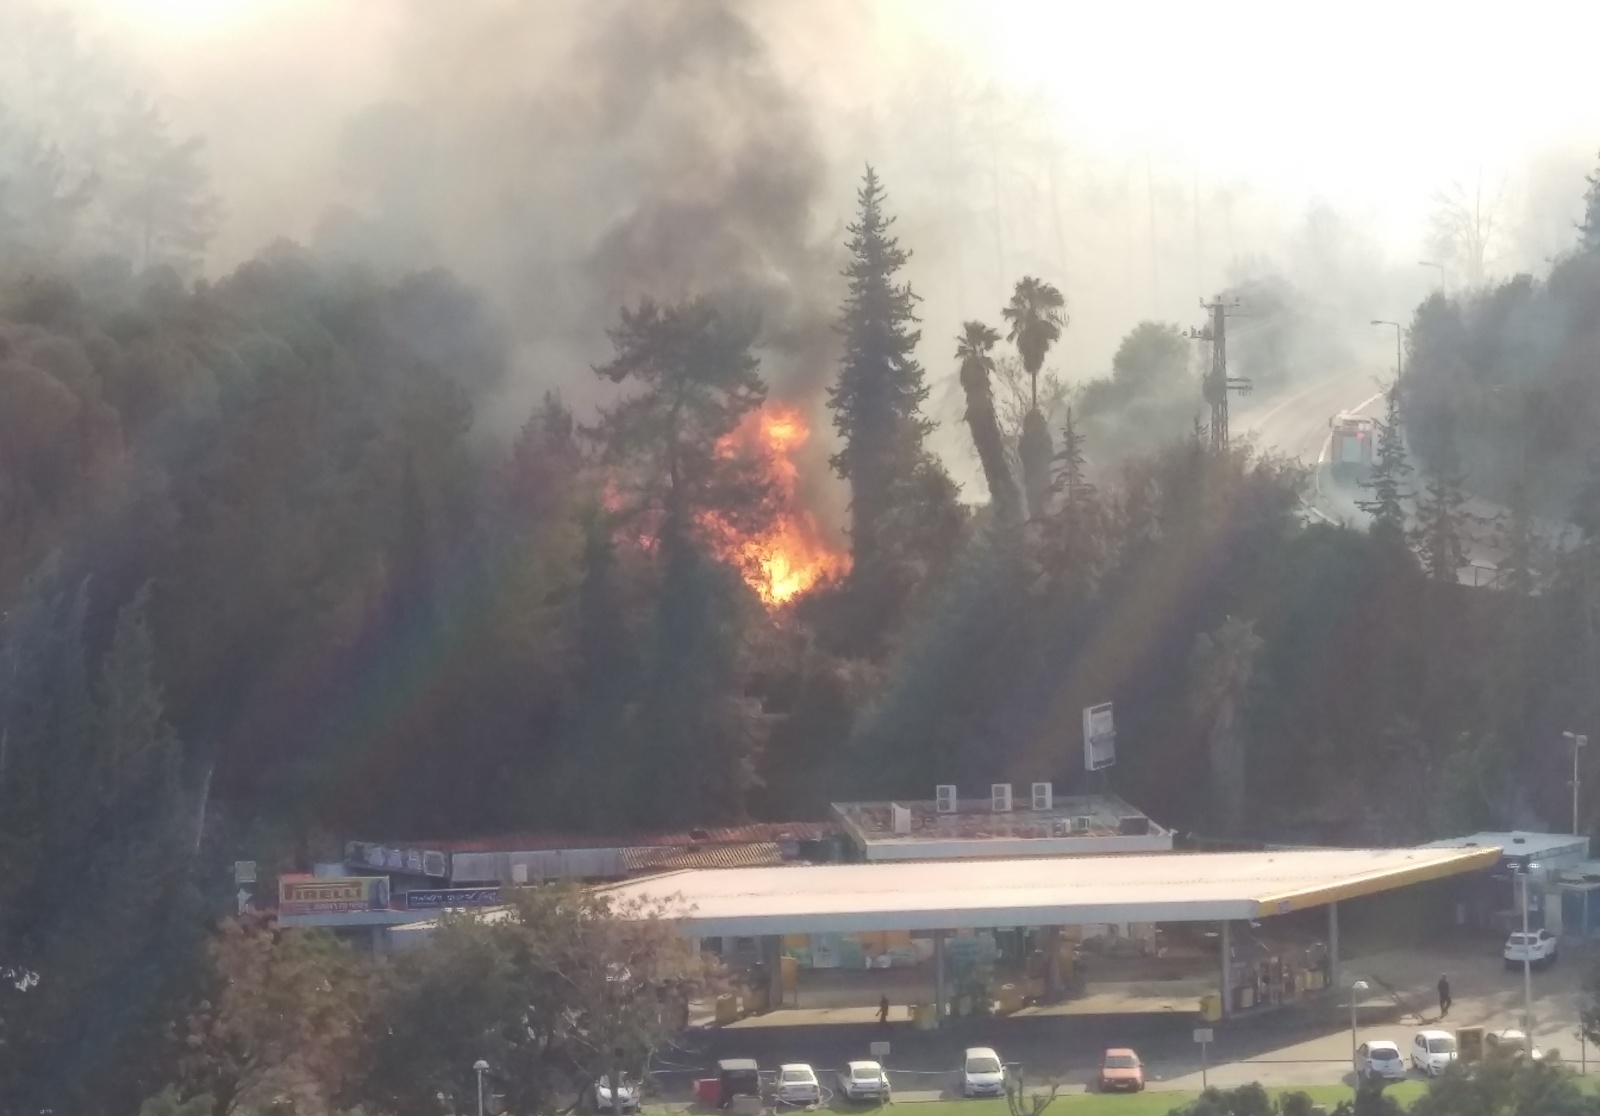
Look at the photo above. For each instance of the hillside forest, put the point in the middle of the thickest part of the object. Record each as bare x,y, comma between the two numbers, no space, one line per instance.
271,577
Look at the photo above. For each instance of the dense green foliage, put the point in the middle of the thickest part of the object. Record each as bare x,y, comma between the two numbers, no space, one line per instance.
268,577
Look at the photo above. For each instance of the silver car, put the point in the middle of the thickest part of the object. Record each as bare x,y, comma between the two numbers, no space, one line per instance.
863,1082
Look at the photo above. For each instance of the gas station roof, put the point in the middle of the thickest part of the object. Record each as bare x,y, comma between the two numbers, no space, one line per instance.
1036,891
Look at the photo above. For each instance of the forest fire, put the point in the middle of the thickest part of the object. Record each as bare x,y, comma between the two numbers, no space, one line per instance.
792,554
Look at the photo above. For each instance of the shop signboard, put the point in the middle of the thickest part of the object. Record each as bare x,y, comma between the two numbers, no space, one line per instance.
390,858
342,895
1099,738
450,897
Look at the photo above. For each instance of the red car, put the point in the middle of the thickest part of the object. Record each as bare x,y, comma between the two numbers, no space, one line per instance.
1121,1070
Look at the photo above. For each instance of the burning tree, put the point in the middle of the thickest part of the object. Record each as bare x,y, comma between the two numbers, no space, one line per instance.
684,485
697,380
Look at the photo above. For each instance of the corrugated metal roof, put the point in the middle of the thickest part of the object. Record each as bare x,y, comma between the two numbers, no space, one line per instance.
753,854
736,834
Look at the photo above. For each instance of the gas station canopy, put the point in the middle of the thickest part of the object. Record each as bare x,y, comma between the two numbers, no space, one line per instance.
1036,891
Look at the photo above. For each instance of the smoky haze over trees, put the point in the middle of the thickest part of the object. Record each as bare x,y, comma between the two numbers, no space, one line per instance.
440,516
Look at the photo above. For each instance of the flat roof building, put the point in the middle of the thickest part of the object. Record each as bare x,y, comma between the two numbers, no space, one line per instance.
1002,825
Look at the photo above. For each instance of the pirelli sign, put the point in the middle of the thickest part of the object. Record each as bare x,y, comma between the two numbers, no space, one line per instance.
334,895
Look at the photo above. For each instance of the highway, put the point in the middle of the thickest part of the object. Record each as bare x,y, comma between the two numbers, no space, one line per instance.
1294,421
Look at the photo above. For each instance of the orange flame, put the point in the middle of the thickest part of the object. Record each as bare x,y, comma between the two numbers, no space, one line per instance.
792,555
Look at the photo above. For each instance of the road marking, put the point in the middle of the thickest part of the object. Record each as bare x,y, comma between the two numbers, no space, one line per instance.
1296,397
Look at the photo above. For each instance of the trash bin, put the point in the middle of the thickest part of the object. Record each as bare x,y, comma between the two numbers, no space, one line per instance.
708,1091
727,1009
1211,1007
1010,998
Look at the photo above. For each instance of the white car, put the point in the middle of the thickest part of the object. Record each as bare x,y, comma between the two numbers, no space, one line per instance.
982,1073
1433,1051
1539,947
1380,1061
864,1081
798,1085
627,1097
1511,1044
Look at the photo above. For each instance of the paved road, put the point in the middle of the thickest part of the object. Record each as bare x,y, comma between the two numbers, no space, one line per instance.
1305,1046
1294,421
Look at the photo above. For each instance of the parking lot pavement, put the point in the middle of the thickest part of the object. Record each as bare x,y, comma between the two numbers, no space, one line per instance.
1305,1046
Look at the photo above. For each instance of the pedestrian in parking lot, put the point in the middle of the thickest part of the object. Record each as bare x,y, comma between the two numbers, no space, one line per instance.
1444,997
883,1011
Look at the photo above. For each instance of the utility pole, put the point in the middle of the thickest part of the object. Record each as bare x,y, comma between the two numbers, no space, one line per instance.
1217,383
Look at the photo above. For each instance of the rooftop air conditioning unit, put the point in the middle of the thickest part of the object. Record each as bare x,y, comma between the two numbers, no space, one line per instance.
1000,798
1082,823
902,817
944,798
1041,798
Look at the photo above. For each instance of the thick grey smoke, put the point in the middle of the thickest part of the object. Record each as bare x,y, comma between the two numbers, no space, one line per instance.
574,164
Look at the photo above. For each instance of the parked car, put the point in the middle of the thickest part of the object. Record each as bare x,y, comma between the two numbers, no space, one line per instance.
982,1073
1536,946
1121,1069
1511,1043
798,1085
864,1081
737,1077
627,1095
1433,1051
1380,1060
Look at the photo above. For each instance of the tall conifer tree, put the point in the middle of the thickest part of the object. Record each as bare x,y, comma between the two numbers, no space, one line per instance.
877,401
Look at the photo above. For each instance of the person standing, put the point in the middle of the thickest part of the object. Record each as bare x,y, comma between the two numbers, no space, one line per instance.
883,1010
1444,997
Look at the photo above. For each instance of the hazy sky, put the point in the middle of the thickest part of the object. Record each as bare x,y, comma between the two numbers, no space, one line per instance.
1371,104
1192,136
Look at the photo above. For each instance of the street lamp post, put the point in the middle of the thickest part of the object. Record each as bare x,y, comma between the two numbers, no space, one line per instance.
1439,267
1356,989
1578,741
480,1067
1522,875
1399,334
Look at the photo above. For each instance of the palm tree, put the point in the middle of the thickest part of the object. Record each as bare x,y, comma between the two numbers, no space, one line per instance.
1037,316
973,349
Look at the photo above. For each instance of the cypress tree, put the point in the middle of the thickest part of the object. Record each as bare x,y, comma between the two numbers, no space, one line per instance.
878,398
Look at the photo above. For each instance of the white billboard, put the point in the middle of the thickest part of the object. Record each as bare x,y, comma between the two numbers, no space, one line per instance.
1099,737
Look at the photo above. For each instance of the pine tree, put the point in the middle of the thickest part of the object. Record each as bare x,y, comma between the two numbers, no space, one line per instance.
1075,525
1589,228
877,401
1387,506
1440,536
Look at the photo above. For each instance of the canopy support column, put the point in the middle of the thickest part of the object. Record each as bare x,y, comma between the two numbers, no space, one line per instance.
1333,944
940,993
1052,947
1227,969
772,954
